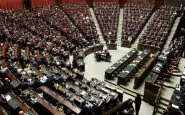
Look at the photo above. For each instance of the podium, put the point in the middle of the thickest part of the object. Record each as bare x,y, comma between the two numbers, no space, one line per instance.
112,46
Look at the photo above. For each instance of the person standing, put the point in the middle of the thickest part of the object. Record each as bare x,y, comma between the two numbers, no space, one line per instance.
137,104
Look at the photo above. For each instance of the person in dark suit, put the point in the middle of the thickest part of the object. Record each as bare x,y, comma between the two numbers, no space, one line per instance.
137,104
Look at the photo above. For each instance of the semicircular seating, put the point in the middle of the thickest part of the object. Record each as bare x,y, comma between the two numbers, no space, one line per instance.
158,29
107,14
135,17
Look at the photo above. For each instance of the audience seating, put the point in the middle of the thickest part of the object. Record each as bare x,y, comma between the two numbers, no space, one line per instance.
38,3
135,17
35,49
105,1
11,4
35,58
57,18
80,14
107,14
158,29
73,1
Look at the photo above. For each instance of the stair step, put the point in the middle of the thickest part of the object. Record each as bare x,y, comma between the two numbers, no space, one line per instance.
168,86
162,98
160,111
163,107
135,44
176,71
163,102
177,74
158,114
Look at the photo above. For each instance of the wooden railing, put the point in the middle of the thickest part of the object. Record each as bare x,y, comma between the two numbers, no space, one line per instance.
120,106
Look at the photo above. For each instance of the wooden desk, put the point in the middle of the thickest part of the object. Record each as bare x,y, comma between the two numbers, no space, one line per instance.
60,99
120,106
16,51
27,51
142,47
80,75
4,65
132,68
142,58
8,72
157,68
126,73
4,48
14,81
150,93
1,84
15,102
142,73
120,64
45,103
2,111
125,43
152,88
45,70
93,48
68,72
74,96
112,46
87,95
38,73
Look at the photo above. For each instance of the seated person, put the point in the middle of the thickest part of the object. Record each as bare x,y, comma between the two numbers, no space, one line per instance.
103,55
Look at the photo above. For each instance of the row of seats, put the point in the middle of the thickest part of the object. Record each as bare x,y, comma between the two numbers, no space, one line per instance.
173,54
177,101
73,1
81,15
175,49
107,15
159,27
11,4
166,65
134,18
105,1
37,3
34,53
57,18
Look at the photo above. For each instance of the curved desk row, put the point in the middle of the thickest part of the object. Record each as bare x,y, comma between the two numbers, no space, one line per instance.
60,99
50,108
14,81
15,102
91,49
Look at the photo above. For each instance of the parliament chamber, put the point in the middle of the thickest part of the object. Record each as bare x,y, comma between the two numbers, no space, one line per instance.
92,57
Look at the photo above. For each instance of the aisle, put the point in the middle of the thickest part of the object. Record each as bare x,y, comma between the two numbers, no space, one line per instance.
135,44
97,26
120,26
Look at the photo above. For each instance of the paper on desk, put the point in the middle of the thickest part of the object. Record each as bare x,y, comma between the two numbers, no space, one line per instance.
8,98
83,93
175,106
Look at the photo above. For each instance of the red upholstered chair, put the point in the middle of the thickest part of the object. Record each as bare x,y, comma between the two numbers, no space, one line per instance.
134,18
